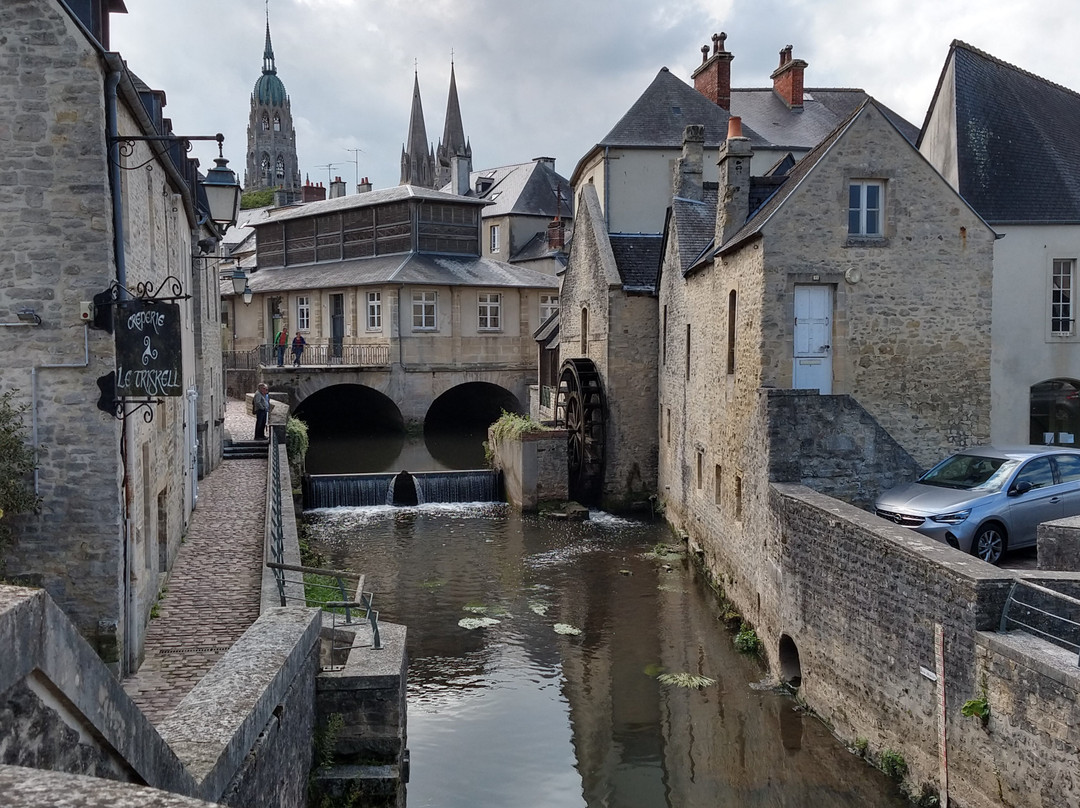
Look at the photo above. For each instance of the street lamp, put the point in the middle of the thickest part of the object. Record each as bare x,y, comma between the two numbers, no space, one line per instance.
239,280
222,191
248,294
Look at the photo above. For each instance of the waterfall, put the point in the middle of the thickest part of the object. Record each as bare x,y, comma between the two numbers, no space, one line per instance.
355,490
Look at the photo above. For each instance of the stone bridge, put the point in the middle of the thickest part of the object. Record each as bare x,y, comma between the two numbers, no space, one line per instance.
411,389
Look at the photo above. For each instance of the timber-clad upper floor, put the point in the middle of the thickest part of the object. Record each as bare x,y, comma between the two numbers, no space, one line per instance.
389,221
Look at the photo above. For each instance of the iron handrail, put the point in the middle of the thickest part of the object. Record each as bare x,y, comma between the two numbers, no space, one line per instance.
1057,619
339,577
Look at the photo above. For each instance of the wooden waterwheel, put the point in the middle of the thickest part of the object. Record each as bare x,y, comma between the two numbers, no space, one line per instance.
580,410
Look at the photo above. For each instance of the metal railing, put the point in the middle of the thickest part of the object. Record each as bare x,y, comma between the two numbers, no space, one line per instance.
241,360
1034,614
342,599
315,355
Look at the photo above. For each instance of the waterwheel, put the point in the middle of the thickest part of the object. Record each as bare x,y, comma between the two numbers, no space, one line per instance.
580,409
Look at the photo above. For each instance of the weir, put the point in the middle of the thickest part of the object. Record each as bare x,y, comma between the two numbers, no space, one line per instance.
358,490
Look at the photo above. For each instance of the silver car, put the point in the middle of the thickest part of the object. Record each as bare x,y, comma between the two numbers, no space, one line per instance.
985,501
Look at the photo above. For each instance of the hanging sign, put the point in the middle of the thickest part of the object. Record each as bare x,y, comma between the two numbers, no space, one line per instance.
148,349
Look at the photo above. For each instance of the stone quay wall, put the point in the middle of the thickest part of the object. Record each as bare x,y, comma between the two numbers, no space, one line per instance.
533,467
852,605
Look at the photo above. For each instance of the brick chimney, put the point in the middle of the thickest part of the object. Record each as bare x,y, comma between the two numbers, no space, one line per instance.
733,206
312,193
687,180
713,76
788,79
337,188
556,233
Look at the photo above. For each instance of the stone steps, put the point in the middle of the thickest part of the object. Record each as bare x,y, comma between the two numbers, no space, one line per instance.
245,450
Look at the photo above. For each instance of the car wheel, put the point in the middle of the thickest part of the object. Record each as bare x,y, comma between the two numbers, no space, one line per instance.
989,543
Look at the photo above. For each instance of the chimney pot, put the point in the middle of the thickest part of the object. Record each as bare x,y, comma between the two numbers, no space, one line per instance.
734,127
704,54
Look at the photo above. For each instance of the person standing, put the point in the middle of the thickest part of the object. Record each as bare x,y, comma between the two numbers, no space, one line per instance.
282,340
298,344
260,403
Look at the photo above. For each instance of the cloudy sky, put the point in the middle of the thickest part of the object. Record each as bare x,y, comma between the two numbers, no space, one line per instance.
541,77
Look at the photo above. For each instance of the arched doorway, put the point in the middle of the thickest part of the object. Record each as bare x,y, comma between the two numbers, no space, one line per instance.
1055,412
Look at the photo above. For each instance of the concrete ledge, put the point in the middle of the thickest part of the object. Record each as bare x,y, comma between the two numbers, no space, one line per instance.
1045,658
216,725
38,788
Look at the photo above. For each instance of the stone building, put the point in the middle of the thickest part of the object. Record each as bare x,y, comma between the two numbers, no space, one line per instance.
271,138
1007,141
628,175
863,279
394,280
97,218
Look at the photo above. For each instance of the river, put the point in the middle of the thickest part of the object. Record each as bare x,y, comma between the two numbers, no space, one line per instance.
536,652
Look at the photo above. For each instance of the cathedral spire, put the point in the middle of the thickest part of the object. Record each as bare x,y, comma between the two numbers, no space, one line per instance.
268,51
453,143
417,161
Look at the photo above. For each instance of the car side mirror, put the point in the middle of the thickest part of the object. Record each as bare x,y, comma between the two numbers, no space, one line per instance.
1021,487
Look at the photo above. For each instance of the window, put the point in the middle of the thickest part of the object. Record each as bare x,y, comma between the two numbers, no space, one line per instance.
423,311
277,123
732,299
1055,412
280,167
584,332
663,339
374,311
1061,307
549,304
719,475
265,123
738,498
864,208
667,426
688,351
488,311
699,469
493,232
1068,467
303,313
1038,473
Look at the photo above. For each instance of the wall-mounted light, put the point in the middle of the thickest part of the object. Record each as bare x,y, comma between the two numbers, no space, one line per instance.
220,187
28,316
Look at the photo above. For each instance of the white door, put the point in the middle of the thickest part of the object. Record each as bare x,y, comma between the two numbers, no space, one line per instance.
812,360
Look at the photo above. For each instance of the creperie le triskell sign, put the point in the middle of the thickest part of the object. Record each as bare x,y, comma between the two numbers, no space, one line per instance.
149,364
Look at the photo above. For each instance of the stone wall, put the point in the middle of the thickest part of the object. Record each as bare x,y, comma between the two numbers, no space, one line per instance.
533,466
1059,544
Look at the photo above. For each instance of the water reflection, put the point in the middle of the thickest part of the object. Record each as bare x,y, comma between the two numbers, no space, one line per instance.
518,714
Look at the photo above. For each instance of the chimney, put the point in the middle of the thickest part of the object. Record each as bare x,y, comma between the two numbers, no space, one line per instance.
713,77
312,193
788,79
364,187
687,180
337,188
733,206
460,169
556,233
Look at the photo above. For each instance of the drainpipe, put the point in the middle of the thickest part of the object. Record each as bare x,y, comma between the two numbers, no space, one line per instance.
127,661
607,189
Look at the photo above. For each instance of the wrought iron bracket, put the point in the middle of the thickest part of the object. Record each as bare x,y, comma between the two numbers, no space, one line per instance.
122,412
126,145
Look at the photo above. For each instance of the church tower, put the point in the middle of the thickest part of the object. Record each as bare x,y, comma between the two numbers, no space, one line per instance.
453,143
417,156
271,158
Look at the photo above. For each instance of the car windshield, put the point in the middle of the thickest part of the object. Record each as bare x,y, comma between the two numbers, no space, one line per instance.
970,472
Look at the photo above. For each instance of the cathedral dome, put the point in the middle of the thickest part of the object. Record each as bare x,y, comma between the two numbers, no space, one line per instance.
269,91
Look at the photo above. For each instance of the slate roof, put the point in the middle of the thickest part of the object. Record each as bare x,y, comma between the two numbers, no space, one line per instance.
695,223
415,269
637,257
350,201
523,189
1017,140
537,248
668,105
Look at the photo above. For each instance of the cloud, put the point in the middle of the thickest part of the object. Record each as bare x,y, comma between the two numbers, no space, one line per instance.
541,78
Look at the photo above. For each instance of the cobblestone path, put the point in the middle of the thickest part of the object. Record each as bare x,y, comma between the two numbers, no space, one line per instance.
214,590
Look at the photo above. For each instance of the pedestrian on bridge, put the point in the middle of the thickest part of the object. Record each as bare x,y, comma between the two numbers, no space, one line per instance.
298,344
281,341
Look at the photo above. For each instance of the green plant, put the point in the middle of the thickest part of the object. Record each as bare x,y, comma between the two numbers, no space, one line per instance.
296,440
977,708
747,640
893,764
861,745
511,426
256,199
17,463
